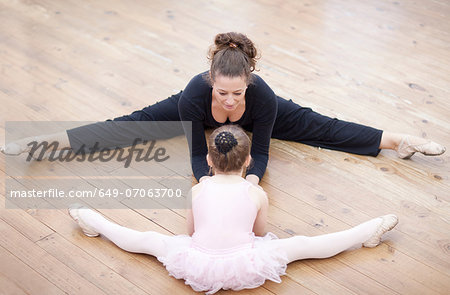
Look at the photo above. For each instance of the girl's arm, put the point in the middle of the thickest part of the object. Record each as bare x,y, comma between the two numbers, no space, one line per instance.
190,216
190,222
259,227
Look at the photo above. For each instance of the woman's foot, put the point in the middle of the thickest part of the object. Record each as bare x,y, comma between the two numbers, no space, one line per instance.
74,212
388,222
409,145
23,146
15,148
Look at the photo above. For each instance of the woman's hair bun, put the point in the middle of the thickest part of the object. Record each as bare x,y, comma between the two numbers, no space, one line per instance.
235,40
232,55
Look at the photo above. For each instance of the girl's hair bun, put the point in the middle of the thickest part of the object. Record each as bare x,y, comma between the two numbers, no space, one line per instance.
228,148
225,141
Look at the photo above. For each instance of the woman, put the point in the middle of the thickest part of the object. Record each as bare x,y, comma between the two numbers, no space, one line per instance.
230,93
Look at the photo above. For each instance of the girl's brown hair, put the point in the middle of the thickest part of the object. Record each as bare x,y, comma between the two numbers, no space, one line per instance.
229,148
232,55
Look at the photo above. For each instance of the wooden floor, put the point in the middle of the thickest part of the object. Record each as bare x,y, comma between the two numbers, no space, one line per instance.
380,63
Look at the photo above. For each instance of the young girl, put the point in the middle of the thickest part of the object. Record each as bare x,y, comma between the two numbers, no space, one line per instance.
225,248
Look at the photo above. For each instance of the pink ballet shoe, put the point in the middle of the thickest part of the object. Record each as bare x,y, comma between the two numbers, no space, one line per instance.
405,149
74,213
388,223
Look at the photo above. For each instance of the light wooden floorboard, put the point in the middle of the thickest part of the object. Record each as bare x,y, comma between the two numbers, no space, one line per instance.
378,63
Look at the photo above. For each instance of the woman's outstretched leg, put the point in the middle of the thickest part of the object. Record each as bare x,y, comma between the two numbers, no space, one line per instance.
368,233
162,121
93,224
296,123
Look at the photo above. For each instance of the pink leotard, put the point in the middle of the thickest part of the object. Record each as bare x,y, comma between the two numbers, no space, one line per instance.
224,215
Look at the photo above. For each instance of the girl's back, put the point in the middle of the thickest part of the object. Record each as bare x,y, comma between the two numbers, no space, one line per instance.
224,213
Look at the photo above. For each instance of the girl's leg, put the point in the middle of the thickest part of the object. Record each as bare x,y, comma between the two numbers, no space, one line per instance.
323,246
92,223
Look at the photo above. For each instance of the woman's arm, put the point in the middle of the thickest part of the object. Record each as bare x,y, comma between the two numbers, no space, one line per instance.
264,113
195,136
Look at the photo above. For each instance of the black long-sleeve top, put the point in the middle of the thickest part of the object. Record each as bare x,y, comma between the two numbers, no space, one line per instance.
259,117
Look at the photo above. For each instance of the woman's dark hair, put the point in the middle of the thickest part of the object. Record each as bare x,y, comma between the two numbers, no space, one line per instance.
229,147
232,55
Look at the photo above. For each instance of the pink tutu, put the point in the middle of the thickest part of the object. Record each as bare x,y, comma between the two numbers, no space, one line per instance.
243,267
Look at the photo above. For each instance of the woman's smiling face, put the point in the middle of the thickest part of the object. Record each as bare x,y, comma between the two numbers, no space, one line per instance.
229,92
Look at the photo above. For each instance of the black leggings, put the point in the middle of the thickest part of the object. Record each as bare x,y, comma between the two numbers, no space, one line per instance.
296,123
293,123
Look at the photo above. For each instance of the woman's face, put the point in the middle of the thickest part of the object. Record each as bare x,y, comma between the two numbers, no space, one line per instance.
229,92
